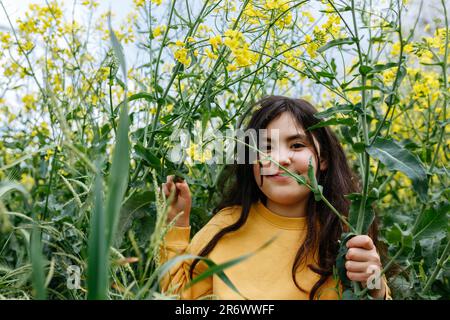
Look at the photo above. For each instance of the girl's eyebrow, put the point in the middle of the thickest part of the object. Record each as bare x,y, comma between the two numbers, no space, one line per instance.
292,137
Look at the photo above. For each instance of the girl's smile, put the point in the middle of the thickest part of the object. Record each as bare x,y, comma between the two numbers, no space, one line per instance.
293,151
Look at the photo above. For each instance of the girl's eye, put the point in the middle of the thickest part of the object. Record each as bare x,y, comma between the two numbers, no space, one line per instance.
298,145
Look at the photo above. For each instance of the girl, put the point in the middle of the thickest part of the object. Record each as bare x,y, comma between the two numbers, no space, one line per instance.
255,207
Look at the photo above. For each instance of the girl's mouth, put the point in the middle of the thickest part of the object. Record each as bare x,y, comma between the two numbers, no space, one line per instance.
278,177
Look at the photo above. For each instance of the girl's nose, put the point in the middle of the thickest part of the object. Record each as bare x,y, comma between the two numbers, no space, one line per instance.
284,157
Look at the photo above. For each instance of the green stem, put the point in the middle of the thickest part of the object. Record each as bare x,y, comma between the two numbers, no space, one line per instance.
438,268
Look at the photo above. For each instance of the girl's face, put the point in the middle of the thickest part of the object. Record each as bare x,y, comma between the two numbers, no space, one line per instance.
292,151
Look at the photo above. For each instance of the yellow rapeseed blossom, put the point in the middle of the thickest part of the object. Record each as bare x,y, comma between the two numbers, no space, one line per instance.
90,3
308,15
231,67
29,101
182,56
139,3
27,181
253,14
210,54
215,42
236,42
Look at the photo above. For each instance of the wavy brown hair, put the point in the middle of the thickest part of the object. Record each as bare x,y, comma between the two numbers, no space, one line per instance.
324,229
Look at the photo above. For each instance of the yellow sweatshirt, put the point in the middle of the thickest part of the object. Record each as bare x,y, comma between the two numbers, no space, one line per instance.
265,275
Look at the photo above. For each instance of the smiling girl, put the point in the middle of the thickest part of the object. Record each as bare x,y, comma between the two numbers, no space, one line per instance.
259,203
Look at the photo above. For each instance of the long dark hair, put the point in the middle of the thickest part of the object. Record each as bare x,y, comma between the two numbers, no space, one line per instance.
239,187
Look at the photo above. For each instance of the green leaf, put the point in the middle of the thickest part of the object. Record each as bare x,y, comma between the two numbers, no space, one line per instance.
360,88
381,67
118,180
9,186
394,234
326,74
342,108
148,156
340,259
335,42
369,215
359,147
395,157
118,50
218,269
433,223
364,70
334,121
317,190
97,277
37,264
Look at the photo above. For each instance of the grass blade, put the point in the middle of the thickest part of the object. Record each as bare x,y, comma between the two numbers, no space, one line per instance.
97,260
118,180
37,264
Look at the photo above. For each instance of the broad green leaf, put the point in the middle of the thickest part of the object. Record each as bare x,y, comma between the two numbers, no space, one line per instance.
336,42
364,70
433,223
148,156
395,157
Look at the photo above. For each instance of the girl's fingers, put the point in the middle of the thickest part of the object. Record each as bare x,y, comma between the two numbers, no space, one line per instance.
362,255
357,276
355,266
361,241
165,190
184,190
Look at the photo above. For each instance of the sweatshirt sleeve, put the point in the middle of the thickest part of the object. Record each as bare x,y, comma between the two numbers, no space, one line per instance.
176,242
387,294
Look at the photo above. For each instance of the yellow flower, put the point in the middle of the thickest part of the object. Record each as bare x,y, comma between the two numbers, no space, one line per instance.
308,15
210,55
159,30
231,67
139,3
27,181
29,101
182,56
49,153
90,3
215,41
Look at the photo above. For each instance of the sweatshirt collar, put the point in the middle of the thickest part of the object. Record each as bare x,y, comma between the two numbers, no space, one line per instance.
296,223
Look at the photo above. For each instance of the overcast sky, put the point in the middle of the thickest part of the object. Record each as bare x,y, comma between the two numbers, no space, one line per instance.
16,8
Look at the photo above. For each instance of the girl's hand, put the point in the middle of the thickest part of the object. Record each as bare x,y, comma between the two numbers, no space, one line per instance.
181,202
362,259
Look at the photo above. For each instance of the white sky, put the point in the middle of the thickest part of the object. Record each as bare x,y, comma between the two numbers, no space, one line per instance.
16,8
